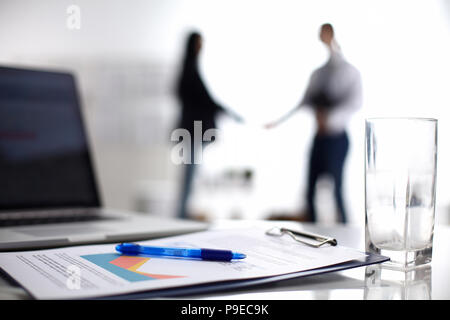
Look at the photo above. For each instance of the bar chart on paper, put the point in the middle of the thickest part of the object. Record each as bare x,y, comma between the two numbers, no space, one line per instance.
126,267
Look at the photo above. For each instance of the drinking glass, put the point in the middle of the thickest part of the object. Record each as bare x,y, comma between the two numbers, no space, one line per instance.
400,188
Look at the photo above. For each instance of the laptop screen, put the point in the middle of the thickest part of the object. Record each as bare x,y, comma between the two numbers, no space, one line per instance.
44,156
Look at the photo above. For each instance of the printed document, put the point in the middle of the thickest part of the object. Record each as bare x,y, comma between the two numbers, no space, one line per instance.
99,271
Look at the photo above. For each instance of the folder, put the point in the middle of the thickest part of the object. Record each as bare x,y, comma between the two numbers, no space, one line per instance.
239,284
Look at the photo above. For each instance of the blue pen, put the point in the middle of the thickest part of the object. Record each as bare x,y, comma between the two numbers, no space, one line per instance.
204,254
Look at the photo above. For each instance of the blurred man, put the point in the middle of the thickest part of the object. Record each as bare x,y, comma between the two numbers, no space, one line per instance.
334,93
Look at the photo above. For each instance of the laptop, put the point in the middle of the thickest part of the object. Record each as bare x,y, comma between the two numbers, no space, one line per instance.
49,194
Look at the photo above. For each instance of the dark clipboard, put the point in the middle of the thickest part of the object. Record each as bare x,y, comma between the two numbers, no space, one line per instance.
185,292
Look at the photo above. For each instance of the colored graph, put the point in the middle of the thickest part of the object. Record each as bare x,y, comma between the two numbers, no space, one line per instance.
125,267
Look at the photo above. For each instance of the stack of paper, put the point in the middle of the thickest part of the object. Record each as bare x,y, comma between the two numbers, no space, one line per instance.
98,270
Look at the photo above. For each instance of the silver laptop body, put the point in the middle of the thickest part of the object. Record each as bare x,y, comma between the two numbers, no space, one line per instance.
48,190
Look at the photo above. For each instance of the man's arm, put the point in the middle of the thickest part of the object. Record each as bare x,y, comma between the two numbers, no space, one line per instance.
305,101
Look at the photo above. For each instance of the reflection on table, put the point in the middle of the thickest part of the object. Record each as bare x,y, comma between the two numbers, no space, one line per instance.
383,283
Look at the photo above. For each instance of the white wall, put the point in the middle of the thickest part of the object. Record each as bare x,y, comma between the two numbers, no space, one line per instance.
257,58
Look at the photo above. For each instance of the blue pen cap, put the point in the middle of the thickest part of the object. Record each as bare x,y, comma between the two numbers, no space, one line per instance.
216,255
220,255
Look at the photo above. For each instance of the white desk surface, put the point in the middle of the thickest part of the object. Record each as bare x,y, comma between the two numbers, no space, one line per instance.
432,282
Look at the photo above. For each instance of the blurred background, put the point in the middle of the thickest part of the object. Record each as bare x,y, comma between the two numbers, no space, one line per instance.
256,60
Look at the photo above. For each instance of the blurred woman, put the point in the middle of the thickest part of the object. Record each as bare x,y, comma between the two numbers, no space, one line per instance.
196,105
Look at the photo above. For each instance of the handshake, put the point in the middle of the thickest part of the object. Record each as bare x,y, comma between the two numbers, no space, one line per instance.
321,116
236,117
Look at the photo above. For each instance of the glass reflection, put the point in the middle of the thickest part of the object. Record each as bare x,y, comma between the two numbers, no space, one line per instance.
383,283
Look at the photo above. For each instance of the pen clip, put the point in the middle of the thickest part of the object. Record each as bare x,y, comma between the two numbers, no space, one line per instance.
277,231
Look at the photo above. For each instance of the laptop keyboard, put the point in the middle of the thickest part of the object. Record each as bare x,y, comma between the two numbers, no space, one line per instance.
48,217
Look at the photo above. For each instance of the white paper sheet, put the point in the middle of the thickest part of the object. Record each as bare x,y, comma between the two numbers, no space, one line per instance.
98,270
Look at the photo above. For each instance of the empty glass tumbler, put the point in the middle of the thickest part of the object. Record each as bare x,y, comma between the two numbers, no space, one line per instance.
400,189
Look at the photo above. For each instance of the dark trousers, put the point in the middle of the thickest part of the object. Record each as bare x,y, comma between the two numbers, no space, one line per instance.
188,181
327,157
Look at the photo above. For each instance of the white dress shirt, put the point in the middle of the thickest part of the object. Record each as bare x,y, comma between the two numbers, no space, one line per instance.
342,80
